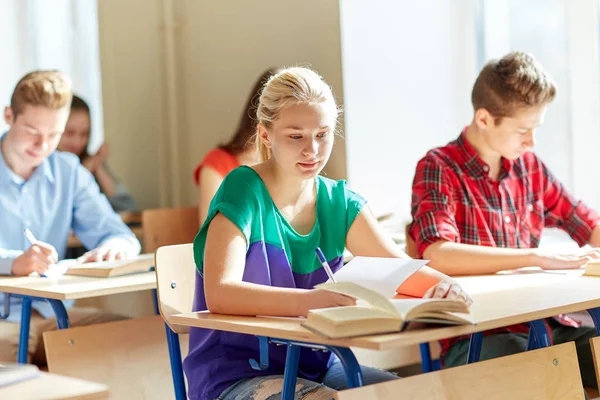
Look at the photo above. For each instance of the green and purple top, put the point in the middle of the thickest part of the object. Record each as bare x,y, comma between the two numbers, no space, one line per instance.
276,255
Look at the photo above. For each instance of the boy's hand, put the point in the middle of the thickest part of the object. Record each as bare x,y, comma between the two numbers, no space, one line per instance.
102,254
551,261
37,258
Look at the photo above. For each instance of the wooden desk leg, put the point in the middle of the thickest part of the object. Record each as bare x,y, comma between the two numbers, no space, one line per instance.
595,314
24,330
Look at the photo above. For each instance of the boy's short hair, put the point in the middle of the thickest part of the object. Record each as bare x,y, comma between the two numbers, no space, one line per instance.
514,82
51,89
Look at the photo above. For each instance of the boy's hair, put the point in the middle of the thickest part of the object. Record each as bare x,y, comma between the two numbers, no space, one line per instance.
514,82
289,86
50,89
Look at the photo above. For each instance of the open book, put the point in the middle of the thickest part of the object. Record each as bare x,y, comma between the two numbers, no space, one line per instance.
102,269
14,373
376,313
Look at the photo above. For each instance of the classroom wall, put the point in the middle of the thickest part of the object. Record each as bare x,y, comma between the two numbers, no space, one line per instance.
408,70
176,75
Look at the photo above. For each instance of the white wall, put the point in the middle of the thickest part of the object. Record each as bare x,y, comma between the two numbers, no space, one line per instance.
408,68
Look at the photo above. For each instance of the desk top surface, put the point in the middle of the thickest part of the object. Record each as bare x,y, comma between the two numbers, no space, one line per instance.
52,386
69,287
498,300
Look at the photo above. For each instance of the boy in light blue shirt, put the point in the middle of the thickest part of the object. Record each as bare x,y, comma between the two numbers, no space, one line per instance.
50,193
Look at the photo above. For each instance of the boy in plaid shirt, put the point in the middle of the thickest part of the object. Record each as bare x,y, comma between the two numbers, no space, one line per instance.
479,204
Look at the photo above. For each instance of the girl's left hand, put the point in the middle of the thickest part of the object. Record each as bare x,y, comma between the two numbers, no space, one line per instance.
448,290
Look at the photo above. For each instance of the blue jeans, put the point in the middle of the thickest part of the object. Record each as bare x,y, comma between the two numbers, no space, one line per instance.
270,387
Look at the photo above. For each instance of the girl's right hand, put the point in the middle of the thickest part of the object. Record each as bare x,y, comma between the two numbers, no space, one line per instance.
318,298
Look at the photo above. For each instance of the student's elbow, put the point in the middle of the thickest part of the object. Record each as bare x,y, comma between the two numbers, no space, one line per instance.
215,302
434,254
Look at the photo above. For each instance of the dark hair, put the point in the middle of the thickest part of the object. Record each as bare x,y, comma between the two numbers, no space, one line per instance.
247,126
514,82
78,104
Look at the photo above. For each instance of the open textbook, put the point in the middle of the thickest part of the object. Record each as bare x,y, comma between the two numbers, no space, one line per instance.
375,313
141,263
374,282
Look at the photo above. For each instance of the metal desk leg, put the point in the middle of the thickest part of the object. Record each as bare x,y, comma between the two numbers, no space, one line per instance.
290,375
538,328
351,366
24,333
426,364
475,347
595,314
176,364
62,318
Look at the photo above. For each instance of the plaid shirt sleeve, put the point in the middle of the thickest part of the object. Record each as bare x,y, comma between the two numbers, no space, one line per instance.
432,206
562,210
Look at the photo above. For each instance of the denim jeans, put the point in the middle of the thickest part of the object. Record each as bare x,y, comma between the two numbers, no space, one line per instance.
270,387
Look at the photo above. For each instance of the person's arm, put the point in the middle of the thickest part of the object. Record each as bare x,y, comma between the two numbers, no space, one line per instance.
437,237
210,180
37,258
96,224
366,238
107,183
226,293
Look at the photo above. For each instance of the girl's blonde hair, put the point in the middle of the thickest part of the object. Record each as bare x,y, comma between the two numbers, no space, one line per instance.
290,86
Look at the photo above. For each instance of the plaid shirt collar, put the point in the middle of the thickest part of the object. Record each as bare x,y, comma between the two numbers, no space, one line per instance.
474,165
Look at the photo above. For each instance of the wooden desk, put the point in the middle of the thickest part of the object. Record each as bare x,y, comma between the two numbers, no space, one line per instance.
51,387
498,301
69,287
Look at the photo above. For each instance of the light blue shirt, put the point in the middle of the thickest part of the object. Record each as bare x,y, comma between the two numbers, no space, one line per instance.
60,196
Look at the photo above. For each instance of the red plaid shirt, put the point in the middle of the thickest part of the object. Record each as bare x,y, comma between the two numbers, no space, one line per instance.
454,199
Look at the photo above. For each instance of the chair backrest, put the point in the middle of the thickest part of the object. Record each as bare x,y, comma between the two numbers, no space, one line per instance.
411,246
167,226
549,373
175,281
130,357
595,345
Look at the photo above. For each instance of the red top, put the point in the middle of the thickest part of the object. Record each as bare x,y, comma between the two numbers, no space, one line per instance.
454,199
219,160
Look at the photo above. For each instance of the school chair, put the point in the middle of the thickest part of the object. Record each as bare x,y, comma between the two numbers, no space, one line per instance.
159,227
595,347
167,226
175,281
129,356
551,373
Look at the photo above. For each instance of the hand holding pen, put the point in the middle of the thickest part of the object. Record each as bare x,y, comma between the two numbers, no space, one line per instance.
36,258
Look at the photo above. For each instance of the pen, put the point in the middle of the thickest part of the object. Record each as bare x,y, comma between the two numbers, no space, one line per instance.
325,264
33,241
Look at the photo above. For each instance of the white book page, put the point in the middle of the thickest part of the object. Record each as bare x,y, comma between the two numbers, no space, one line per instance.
382,275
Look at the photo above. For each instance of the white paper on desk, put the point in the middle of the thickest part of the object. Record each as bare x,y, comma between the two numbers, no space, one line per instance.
382,275
57,270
